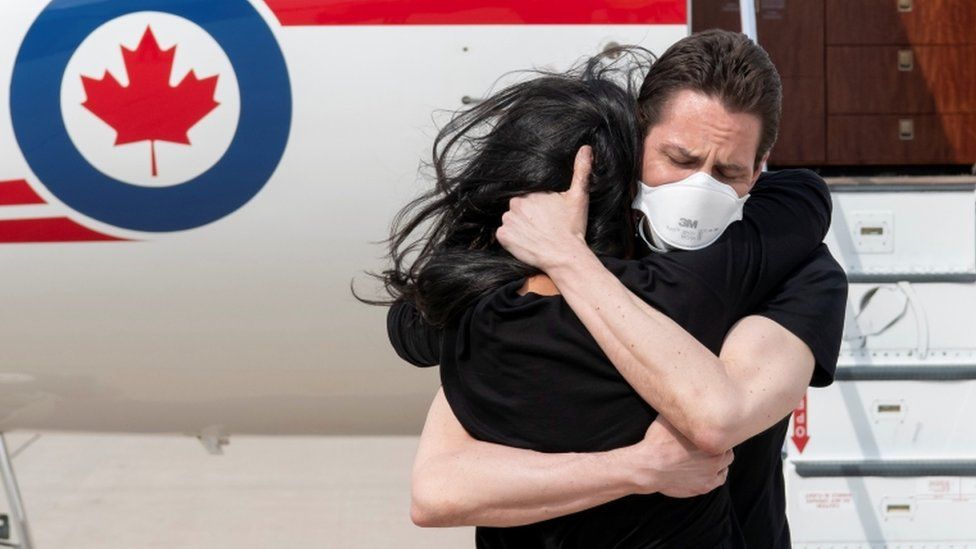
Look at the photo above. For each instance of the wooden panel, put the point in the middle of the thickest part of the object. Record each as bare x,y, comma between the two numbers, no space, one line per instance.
867,79
791,31
852,22
802,132
715,14
875,139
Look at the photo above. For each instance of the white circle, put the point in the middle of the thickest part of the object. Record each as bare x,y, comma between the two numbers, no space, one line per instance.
101,54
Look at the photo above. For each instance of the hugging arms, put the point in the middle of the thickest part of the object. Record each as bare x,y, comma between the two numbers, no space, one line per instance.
552,385
719,400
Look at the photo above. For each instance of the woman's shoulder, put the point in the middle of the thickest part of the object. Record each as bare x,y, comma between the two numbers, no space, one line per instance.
514,301
514,319
539,284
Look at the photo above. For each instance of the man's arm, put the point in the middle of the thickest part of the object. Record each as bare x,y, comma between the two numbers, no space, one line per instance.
715,401
790,342
458,480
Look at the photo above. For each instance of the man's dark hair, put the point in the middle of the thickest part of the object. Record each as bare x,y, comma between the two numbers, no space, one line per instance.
721,64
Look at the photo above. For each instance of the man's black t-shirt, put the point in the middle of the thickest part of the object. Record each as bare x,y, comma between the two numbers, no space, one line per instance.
522,370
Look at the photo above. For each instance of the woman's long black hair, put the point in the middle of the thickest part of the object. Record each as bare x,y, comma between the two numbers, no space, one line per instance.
522,139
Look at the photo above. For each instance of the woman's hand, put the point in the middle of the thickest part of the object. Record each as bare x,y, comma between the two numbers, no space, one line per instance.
667,462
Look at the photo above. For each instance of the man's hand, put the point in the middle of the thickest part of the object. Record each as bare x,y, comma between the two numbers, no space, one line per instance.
670,464
549,229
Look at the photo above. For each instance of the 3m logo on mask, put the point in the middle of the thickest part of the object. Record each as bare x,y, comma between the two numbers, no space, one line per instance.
688,214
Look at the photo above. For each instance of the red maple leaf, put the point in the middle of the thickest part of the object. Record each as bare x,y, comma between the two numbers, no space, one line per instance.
149,108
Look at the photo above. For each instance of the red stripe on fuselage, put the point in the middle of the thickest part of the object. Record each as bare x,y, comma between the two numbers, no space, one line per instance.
18,192
475,12
55,229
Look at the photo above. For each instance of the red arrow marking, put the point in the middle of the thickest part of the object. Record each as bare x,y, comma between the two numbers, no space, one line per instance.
800,434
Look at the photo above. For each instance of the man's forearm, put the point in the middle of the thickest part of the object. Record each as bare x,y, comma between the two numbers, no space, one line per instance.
668,367
717,402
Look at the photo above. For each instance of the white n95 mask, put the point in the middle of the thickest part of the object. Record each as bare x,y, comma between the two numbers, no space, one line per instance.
689,214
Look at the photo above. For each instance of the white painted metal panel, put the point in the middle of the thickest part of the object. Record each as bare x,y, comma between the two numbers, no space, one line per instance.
874,512
890,233
906,323
890,420
887,454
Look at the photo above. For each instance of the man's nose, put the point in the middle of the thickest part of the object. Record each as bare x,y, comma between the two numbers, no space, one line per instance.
708,166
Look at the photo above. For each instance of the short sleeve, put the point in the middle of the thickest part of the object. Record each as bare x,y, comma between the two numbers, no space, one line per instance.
785,219
413,339
811,304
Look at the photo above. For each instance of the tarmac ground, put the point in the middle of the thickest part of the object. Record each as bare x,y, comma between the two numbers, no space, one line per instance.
108,491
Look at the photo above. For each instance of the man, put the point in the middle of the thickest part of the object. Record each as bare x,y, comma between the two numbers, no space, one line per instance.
710,104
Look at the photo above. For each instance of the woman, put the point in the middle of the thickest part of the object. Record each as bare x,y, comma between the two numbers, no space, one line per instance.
509,377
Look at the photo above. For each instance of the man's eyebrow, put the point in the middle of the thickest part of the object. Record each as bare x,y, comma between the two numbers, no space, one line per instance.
730,167
677,149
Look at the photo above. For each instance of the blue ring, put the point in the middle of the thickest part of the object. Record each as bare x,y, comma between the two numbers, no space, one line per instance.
251,158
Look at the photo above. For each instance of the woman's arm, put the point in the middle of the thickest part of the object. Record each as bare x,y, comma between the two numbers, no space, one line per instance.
458,480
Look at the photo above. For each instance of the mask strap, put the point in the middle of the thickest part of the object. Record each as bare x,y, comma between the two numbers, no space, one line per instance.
651,245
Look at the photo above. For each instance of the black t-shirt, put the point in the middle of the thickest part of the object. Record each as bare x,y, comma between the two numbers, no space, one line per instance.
810,303
524,371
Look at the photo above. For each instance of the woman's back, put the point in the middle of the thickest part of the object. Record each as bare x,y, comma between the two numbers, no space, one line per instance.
522,370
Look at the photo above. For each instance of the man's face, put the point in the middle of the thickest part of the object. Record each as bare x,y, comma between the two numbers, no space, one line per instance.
697,134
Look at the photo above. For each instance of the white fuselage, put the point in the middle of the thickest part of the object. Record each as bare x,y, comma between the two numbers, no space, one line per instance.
247,324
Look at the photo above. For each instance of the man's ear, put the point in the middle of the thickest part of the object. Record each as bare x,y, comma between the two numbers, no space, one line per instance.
759,169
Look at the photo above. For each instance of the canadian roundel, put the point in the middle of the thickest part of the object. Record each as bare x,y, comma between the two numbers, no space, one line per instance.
151,115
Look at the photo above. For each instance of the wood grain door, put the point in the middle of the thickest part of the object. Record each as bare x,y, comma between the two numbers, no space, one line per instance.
899,22
891,139
792,32
901,79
